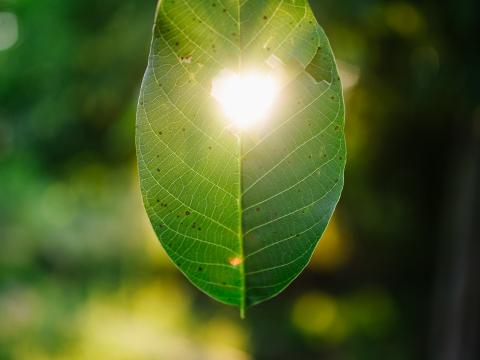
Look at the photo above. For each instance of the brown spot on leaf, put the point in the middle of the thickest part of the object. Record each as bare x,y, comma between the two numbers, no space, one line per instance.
186,59
235,261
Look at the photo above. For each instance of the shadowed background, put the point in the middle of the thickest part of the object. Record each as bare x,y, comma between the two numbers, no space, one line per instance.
396,274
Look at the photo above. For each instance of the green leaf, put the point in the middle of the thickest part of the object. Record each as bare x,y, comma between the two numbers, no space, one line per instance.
239,213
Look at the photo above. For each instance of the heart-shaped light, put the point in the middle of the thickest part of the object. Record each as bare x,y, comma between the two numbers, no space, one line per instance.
246,98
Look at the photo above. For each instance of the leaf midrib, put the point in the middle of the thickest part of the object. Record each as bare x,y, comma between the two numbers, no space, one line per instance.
243,285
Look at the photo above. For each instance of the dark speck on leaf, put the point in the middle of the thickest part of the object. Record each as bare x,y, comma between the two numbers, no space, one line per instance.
187,212
265,17
258,209
200,269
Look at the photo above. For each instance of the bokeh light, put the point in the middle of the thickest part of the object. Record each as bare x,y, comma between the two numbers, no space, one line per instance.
8,30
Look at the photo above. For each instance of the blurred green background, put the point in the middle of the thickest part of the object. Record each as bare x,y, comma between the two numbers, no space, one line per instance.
83,277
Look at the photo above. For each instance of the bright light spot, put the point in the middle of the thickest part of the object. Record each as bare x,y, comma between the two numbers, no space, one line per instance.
246,98
8,30
349,73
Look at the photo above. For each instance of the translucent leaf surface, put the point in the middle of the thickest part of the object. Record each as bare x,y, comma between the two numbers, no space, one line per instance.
240,212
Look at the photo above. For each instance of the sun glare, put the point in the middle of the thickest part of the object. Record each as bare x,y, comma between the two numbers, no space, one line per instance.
245,98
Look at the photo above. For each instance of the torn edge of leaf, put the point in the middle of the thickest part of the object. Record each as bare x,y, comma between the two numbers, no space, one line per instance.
286,73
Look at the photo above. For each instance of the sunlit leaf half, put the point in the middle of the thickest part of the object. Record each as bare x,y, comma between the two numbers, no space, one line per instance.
240,209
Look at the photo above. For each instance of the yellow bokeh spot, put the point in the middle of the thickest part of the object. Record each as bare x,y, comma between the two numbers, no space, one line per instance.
314,313
223,339
333,250
403,18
